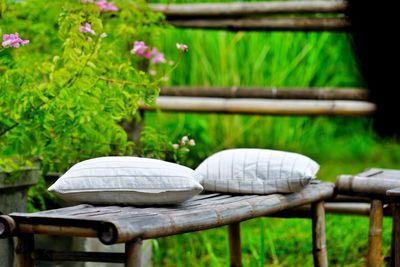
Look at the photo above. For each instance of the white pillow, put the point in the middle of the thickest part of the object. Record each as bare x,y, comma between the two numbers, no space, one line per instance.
256,171
127,180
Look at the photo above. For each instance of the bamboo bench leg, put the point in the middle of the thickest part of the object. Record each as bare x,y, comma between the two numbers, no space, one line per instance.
24,250
318,230
235,247
133,253
395,255
374,256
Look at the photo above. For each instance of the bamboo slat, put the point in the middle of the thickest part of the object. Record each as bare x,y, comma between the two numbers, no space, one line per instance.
365,186
378,173
263,106
273,93
256,8
116,224
266,24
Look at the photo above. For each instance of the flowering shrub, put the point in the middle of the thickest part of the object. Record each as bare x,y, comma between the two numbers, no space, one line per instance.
13,40
80,73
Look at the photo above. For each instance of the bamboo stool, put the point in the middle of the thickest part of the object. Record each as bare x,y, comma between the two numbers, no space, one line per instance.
381,186
131,225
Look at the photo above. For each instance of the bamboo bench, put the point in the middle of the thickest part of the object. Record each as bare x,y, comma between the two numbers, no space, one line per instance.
131,225
382,188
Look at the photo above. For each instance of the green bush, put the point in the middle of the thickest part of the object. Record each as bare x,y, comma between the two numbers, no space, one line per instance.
65,95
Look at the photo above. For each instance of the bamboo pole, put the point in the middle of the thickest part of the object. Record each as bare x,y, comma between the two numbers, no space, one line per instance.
270,24
107,233
23,250
274,93
7,226
133,253
235,246
58,230
319,236
240,9
395,253
263,106
374,257
48,255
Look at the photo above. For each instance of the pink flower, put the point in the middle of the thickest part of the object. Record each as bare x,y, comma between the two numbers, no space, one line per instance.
87,28
141,49
106,6
182,47
192,142
157,57
13,40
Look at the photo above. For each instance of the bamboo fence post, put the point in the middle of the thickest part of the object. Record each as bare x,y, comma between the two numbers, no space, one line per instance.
133,253
318,234
374,256
23,250
395,253
235,246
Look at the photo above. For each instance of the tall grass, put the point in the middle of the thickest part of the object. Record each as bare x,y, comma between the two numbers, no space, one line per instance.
218,58
339,144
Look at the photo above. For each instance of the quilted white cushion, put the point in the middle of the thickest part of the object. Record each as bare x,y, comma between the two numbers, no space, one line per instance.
256,171
127,180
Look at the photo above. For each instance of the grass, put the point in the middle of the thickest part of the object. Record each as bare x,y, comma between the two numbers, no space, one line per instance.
272,242
340,144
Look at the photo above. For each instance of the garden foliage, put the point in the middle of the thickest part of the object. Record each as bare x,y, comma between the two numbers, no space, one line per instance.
64,94
72,76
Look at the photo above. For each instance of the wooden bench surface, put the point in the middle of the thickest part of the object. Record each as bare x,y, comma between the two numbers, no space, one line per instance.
118,224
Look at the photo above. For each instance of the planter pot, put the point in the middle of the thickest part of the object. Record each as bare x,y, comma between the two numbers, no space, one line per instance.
13,198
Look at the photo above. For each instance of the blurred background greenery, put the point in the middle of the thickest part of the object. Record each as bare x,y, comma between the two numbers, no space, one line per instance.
340,144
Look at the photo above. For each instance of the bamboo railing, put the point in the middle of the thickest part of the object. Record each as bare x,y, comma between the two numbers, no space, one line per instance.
257,16
263,106
276,15
246,8
267,24
264,101
325,93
